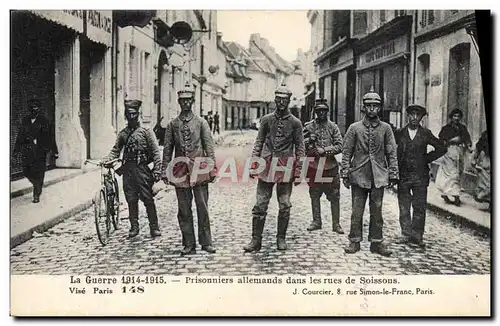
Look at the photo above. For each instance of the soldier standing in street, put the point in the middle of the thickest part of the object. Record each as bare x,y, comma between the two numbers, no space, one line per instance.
328,143
413,160
369,164
279,142
189,135
140,149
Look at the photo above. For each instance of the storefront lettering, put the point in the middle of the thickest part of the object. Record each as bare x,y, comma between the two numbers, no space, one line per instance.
74,13
98,20
94,18
380,52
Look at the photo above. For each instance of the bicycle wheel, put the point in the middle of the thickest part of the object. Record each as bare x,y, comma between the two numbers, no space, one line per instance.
116,205
101,218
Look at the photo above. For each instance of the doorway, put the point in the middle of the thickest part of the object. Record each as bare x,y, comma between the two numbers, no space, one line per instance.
91,86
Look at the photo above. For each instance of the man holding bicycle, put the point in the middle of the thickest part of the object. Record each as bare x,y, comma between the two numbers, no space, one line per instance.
140,148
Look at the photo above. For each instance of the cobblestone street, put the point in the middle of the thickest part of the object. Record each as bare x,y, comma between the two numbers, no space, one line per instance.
72,246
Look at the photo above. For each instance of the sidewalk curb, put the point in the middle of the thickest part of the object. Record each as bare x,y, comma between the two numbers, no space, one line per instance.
459,220
29,189
24,236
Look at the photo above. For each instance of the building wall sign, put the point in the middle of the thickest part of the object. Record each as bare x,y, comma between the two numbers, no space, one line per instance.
70,18
384,51
99,26
99,22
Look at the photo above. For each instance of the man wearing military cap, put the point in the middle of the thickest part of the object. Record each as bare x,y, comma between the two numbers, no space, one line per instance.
413,161
323,177
280,143
369,164
34,140
188,152
140,148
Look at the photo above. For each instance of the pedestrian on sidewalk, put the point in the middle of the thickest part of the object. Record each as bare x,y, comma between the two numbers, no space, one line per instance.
413,162
449,175
217,123
34,140
210,121
482,164
188,136
280,139
323,141
140,148
369,164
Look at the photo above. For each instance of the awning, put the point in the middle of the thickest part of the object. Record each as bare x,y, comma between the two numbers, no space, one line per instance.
100,26
72,19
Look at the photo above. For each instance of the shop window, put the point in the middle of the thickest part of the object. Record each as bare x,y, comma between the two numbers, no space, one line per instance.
458,81
393,93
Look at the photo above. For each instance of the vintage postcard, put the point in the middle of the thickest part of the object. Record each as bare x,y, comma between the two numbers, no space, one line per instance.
249,163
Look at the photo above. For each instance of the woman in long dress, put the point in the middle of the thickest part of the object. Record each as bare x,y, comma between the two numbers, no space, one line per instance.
457,140
482,163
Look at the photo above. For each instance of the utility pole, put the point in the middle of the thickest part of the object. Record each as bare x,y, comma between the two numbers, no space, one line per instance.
202,77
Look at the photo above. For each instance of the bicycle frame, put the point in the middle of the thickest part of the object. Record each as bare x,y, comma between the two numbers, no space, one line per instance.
109,193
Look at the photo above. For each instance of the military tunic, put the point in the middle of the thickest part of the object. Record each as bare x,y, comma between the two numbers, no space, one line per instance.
189,139
140,149
280,137
324,135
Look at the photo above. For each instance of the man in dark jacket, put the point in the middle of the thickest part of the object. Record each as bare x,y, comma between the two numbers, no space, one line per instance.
413,162
140,148
280,143
217,123
188,138
323,141
369,164
34,141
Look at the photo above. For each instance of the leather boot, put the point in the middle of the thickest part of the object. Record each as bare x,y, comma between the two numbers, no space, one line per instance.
283,219
316,214
257,228
380,248
153,220
188,250
353,248
335,208
133,215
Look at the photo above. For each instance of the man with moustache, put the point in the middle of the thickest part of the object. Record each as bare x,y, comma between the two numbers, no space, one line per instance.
280,143
140,148
327,144
369,164
188,136
413,161
34,141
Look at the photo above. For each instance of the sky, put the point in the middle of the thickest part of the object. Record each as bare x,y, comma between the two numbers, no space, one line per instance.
286,30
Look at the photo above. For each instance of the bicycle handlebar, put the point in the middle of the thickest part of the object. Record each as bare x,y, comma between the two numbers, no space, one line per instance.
99,163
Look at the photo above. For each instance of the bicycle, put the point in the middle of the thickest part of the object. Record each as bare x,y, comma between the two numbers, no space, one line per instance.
106,200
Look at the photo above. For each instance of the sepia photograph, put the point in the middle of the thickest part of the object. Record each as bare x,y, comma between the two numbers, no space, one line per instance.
263,162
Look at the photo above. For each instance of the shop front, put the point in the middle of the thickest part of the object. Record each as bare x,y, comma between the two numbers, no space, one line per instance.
382,63
39,41
385,68
337,82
